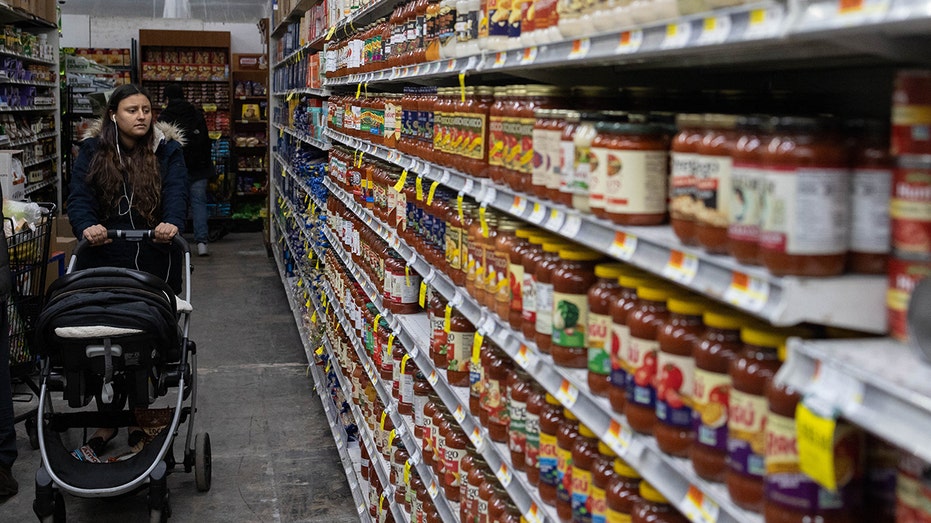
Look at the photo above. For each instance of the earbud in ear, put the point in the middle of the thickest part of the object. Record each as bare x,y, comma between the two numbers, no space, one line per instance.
113,118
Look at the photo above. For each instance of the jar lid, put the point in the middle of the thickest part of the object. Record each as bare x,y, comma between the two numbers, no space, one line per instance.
483,90
720,121
689,120
524,233
613,270
540,237
542,90
649,493
722,319
623,469
605,450
500,91
689,305
569,415
753,122
550,399
632,281
575,254
763,336
573,116
592,91
554,245
653,292
585,432
799,124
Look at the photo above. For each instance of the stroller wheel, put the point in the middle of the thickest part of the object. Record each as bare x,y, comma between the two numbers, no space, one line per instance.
161,514
32,430
58,514
202,462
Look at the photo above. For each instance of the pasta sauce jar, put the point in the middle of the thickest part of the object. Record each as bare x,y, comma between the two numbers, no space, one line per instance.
635,186
571,280
601,295
713,184
620,337
746,205
683,159
644,321
805,222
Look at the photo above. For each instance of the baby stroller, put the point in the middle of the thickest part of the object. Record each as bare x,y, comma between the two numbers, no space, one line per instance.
120,337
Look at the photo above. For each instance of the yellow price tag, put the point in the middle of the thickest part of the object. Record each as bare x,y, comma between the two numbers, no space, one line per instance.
375,323
407,275
462,86
419,188
816,446
313,317
477,348
300,281
459,206
361,157
401,181
358,90
319,351
290,96
407,472
384,415
431,192
391,436
422,298
404,362
482,220
390,345
446,318
331,33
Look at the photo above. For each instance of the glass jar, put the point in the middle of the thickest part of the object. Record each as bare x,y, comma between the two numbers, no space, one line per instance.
580,183
871,189
446,20
546,135
459,351
402,287
676,378
519,391
536,403
602,476
620,336
436,309
544,294
499,285
714,184
515,306
496,140
637,196
805,222
605,291
456,443
563,194
531,257
474,479
644,321
475,114
682,177
566,437
494,396
406,372
551,418
584,455
746,205
422,390
572,279
623,491
713,352
653,507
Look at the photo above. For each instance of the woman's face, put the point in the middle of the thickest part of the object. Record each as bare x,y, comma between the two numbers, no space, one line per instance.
133,117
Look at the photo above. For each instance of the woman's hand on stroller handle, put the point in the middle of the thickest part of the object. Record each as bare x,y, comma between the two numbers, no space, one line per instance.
163,233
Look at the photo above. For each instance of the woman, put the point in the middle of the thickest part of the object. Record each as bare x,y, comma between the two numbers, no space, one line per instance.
129,174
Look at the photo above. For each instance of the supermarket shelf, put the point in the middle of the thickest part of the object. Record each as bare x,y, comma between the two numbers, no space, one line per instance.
8,81
850,301
27,108
34,187
879,384
37,161
323,145
748,35
28,140
360,18
299,9
304,90
673,476
25,58
355,486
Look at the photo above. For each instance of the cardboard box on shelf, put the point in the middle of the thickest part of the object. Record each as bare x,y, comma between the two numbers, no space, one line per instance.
12,176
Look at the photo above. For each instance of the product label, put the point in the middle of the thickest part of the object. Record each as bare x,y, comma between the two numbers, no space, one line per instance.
428,435
473,128
476,379
517,432
499,11
581,494
639,187
460,344
498,283
805,211
466,26
674,387
547,459
570,319
406,389
568,181
746,441
682,185
641,357
869,210
599,359
452,459
454,247
713,189
532,445
397,289
599,505
910,211
496,140
903,276
746,206
529,299
545,156
601,160
419,418
544,324
620,336
564,474
709,414
516,281
493,402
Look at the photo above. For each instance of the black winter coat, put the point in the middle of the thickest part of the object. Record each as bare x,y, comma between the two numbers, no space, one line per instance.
197,148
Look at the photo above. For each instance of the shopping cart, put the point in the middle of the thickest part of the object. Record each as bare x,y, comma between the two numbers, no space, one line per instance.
28,251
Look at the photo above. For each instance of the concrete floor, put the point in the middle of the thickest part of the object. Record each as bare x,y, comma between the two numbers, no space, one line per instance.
274,458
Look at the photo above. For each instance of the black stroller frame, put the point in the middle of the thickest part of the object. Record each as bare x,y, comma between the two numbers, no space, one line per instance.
119,336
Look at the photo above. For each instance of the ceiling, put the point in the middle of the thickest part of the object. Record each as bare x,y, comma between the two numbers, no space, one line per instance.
217,11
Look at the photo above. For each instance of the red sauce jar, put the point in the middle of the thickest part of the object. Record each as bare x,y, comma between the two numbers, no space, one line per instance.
547,130
496,141
515,307
456,443
682,177
406,393
478,366
620,336
551,418
638,195
870,190
485,493
911,119
644,321
563,193
459,342
676,378
436,312
499,286
805,221
475,121
566,437
746,205
543,335
653,507
468,508
422,390
571,281
584,456
494,404
713,351
531,257
602,476
536,404
755,365
601,295
714,186
520,389
623,491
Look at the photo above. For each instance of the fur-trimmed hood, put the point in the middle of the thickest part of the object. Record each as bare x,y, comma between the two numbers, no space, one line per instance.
164,132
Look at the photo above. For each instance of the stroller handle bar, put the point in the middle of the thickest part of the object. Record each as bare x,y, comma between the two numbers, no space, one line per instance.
134,236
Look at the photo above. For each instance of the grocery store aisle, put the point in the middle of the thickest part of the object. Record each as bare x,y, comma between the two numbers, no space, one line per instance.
274,458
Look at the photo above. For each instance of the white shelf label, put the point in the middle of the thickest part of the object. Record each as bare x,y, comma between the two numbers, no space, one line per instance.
677,35
525,358
518,205
469,185
534,514
764,23
456,300
459,414
855,11
715,30
630,42
567,394
623,246
500,58
555,221
572,225
618,437
445,178
433,490
747,292
476,438
504,475
433,378
698,507
451,65
529,55
580,48
489,195
681,267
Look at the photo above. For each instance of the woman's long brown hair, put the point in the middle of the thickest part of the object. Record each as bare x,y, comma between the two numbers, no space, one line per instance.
140,165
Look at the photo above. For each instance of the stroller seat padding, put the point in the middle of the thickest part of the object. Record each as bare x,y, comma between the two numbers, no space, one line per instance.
94,332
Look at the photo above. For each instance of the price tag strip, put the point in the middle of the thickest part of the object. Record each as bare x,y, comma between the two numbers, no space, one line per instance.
567,394
698,507
630,42
715,30
681,267
623,246
747,292
677,35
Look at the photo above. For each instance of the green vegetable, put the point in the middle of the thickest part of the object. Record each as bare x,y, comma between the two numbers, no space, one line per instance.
569,313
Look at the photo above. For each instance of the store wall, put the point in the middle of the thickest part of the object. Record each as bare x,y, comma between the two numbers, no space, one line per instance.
85,31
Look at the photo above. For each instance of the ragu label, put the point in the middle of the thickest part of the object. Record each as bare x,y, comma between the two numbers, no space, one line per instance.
517,430
599,505
674,385
547,459
910,211
599,327
581,494
620,335
903,276
564,474
710,394
746,440
570,319
641,357
460,344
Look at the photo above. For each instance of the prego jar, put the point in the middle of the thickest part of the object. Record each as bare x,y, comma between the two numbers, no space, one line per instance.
682,177
746,206
714,185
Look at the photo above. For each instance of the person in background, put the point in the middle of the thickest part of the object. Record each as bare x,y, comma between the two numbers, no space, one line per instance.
130,174
197,156
8,485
